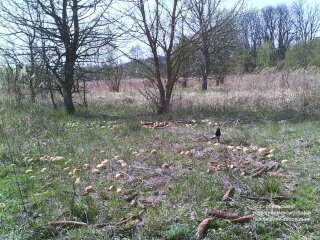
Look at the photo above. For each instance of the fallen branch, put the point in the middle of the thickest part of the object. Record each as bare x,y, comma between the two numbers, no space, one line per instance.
259,168
203,226
243,219
157,124
147,123
222,214
272,167
68,224
126,220
260,172
74,224
101,225
184,121
228,194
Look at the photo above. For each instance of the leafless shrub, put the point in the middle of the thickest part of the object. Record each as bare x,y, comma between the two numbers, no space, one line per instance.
114,77
285,91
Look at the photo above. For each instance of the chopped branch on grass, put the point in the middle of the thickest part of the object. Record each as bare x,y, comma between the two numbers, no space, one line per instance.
222,214
203,226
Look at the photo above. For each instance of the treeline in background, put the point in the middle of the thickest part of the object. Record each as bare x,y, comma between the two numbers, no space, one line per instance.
51,48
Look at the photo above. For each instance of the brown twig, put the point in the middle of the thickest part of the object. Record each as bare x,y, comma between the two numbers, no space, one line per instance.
260,172
126,220
68,224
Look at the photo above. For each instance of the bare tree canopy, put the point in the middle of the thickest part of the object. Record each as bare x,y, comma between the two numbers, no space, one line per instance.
208,20
69,32
156,24
306,20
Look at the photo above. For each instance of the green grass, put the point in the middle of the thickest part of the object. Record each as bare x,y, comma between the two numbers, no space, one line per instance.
186,190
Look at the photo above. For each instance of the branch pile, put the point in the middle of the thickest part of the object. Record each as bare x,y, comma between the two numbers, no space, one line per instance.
159,124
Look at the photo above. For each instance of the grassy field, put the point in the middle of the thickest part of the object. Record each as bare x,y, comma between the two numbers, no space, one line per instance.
156,192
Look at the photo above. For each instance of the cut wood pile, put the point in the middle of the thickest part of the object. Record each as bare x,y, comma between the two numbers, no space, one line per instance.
159,124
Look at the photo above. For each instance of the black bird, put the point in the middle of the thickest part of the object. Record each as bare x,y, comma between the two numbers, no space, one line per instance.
218,134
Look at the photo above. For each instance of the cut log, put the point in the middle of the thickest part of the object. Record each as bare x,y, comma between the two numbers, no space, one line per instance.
222,214
244,219
203,226
102,225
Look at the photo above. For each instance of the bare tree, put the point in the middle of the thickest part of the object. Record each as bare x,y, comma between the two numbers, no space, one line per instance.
21,48
250,35
208,20
135,69
156,23
12,81
251,26
269,18
113,73
284,30
190,61
73,31
306,20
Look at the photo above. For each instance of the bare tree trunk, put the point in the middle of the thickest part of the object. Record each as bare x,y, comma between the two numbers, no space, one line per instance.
204,85
217,80
84,94
207,66
52,99
32,92
164,106
68,102
184,82
220,79
69,81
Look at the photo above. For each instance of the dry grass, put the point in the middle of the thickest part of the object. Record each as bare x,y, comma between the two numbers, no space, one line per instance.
267,93
295,91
